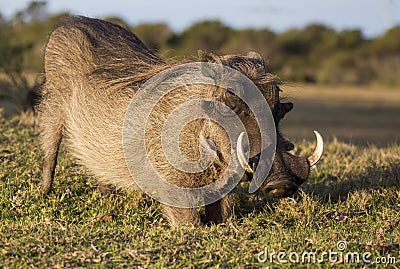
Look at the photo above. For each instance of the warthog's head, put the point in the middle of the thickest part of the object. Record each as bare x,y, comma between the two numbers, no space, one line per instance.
288,171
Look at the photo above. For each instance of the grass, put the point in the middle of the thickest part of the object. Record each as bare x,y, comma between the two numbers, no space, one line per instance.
353,196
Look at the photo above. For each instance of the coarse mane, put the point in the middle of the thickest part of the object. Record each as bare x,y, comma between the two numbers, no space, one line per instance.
121,60
137,72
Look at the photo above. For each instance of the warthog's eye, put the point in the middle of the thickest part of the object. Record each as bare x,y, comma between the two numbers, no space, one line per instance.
208,105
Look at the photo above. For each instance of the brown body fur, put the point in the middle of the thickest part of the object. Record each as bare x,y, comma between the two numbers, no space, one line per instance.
93,69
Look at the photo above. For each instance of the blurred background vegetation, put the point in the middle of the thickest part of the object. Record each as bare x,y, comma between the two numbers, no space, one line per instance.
315,54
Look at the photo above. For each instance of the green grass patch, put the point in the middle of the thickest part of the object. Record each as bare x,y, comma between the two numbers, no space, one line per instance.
352,196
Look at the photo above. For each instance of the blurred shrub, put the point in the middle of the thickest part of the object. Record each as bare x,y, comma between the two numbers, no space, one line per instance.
316,53
206,35
12,57
155,36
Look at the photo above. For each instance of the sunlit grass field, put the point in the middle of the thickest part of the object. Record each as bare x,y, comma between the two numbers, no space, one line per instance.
352,199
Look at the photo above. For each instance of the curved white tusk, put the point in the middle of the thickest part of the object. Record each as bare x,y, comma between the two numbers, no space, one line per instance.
314,158
241,156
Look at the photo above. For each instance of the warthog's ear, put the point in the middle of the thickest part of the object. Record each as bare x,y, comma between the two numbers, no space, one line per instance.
258,60
209,57
255,55
211,71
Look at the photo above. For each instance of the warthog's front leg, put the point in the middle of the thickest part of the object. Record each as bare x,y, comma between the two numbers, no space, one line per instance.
177,216
219,211
106,188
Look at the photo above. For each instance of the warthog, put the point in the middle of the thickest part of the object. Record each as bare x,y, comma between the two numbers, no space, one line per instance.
94,68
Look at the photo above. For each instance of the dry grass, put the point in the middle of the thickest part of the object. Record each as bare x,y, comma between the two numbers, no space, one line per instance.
358,115
365,95
352,196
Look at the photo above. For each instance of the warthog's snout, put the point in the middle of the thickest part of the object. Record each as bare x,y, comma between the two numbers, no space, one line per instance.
288,171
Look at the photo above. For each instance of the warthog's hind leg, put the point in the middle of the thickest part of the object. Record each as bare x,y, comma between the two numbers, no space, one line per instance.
51,132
